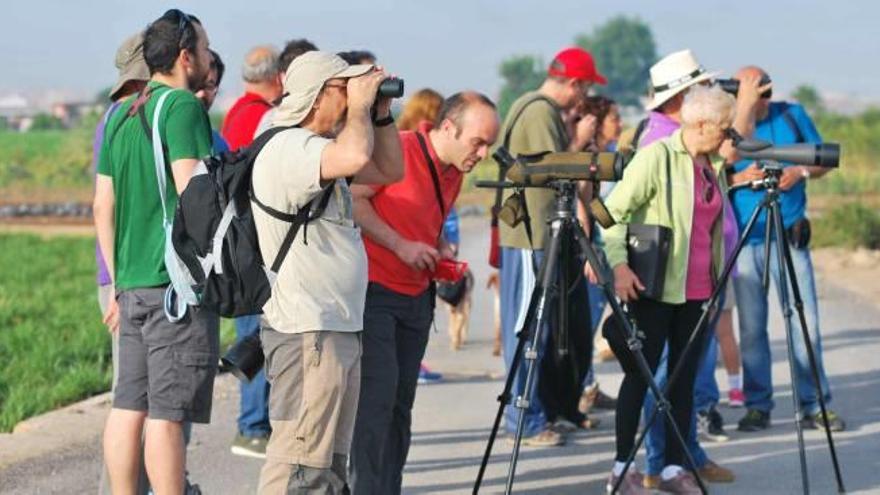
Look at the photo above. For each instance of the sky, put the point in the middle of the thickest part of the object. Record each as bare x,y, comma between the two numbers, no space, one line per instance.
453,44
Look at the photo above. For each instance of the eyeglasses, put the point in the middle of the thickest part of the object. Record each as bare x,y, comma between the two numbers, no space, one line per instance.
708,184
183,20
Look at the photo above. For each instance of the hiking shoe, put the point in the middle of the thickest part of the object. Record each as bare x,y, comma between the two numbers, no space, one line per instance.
546,438
250,446
714,473
428,376
593,397
815,422
710,426
736,397
683,483
651,481
754,420
632,484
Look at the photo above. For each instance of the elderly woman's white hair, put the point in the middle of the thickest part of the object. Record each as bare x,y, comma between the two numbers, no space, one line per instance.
707,104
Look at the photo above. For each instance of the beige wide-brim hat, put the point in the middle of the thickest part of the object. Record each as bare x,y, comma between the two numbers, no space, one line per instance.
304,79
673,74
130,63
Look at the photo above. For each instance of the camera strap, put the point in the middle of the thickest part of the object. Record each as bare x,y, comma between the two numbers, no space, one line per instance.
435,178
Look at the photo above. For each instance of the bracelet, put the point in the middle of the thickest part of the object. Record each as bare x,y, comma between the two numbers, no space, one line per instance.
805,172
386,121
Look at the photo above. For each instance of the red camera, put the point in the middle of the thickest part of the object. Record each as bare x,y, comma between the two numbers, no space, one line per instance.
450,270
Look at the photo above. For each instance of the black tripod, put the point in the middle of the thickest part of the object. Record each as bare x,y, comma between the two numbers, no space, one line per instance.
563,225
774,230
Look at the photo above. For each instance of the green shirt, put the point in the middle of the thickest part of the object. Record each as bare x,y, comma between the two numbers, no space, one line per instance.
538,128
127,157
640,197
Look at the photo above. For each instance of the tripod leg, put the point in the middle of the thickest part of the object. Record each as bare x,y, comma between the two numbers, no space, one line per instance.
786,309
814,364
548,272
604,279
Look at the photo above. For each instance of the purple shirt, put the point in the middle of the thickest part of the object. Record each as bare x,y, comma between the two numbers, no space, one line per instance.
103,273
707,206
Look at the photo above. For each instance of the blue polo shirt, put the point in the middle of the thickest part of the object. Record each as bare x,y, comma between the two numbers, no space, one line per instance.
779,130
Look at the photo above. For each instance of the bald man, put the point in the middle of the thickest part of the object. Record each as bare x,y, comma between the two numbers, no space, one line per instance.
262,87
780,123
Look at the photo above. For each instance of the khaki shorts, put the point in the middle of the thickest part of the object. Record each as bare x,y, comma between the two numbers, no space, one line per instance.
315,380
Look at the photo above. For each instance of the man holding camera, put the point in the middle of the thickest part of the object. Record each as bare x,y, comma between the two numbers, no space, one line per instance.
780,123
312,323
403,224
535,124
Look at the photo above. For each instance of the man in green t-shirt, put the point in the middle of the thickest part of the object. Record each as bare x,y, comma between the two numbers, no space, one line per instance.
535,124
166,369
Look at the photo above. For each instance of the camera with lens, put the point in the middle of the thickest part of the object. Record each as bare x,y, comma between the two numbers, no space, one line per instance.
391,88
732,86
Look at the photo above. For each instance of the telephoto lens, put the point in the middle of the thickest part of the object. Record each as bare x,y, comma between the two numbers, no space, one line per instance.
391,88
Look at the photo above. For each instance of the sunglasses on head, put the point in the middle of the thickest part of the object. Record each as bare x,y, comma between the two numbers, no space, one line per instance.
183,20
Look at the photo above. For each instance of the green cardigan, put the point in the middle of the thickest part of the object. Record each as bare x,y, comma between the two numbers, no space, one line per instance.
640,197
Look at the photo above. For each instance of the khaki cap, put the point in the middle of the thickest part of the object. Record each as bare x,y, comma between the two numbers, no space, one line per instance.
130,63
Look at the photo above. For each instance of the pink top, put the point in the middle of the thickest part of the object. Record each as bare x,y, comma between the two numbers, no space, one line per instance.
707,208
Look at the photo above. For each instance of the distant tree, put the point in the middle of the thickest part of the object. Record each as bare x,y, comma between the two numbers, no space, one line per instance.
44,122
807,96
521,73
624,50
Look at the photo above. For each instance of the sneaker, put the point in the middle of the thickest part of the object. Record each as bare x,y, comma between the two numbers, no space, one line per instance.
815,422
714,473
684,483
754,420
249,446
593,397
428,376
651,481
632,484
710,426
736,397
546,438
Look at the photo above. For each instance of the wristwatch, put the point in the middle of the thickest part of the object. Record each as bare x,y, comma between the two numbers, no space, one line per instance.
805,173
385,121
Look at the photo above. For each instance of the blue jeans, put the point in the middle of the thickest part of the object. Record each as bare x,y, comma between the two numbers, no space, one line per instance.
517,278
706,396
253,419
754,340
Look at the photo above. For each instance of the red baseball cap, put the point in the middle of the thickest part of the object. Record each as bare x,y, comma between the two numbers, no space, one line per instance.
575,63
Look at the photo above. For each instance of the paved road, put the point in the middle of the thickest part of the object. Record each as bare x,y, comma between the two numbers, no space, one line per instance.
452,421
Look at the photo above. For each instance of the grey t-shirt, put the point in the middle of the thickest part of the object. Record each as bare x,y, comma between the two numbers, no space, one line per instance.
322,284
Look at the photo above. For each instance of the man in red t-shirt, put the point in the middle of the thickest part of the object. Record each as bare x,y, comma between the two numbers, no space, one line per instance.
262,86
402,223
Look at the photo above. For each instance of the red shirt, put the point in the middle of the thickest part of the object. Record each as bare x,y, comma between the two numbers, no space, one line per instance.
242,119
410,207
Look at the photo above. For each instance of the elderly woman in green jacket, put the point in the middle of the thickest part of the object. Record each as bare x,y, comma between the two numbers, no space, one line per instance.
696,180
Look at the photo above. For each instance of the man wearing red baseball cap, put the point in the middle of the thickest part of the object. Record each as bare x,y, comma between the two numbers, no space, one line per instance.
534,124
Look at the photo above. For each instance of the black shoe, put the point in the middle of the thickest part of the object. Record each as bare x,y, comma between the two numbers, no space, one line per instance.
814,421
754,420
710,426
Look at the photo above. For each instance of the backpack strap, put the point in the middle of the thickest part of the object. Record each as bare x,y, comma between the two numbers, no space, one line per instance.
795,128
640,129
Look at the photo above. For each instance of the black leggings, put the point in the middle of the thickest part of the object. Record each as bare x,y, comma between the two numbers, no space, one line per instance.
660,323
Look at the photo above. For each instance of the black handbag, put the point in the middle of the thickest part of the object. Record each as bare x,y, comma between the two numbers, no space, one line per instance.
648,247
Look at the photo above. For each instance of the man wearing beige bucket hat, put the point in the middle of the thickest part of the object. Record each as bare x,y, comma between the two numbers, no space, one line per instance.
312,323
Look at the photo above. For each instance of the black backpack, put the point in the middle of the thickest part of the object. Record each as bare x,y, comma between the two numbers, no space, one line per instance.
215,238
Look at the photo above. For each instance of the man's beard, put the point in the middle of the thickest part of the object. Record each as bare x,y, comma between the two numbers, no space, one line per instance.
195,80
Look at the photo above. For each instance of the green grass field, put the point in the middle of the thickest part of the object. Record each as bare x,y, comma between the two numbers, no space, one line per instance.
53,348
